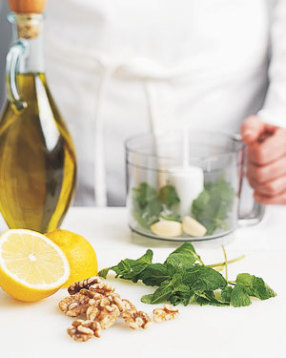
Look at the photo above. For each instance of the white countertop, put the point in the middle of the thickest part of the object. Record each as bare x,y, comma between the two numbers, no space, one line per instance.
39,329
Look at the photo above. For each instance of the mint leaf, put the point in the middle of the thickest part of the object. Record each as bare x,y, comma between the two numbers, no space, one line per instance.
162,293
203,278
129,269
148,205
104,272
173,290
168,196
185,249
171,217
209,298
147,298
239,296
226,294
155,274
255,286
182,258
181,292
149,214
146,258
212,206
143,194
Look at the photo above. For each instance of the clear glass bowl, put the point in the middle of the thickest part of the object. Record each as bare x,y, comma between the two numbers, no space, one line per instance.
179,174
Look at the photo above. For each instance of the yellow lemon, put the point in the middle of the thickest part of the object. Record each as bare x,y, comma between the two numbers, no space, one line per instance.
32,267
78,251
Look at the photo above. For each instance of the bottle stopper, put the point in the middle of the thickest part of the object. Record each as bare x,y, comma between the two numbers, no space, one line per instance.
28,17
27,6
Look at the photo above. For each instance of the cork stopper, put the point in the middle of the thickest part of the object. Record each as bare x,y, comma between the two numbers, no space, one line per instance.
27,6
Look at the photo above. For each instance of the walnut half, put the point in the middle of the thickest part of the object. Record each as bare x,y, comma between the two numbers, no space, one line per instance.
81,330
136,320
165,313
104,311
75,305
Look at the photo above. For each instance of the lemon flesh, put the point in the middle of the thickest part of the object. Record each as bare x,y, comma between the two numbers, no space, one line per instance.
79,252
32,267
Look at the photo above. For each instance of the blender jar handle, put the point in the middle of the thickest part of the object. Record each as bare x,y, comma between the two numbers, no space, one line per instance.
257,211
12,68
254,217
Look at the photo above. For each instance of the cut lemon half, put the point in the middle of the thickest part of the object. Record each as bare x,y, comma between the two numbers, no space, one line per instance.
32,267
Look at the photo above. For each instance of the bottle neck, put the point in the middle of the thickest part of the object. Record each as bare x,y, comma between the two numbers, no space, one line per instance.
28,28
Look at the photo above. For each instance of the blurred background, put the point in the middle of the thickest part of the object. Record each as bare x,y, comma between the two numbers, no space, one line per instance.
5,40
117,69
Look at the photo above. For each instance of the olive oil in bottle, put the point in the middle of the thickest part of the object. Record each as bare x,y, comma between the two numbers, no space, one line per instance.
37,157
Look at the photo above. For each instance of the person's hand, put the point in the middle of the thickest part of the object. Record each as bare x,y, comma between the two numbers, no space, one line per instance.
266,160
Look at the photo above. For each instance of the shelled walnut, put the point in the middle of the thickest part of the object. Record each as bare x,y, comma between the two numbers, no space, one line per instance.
75,305
136,320
103,311
165,313
82,331
128,306
92,295
96,284
102,307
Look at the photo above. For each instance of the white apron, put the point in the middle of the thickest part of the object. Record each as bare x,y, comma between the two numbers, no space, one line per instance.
118,68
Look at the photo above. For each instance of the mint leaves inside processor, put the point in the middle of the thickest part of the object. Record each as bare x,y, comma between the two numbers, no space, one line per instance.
211,208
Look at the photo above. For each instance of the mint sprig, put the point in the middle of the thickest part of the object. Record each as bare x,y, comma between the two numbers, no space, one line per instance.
183,278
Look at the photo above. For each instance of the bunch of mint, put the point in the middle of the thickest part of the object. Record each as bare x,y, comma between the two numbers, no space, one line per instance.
212,206
183,278
149,205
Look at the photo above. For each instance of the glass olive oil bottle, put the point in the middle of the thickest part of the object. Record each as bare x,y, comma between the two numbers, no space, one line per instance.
37,156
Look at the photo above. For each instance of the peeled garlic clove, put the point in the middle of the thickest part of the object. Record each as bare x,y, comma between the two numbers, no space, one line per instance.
167,228
192,227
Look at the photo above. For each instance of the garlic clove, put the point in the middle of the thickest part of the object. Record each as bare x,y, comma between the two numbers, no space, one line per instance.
167,228
192,227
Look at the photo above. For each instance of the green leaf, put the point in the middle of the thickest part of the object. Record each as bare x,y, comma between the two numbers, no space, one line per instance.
181,292
171,217
182,258
129,269
162,293
226,294
168,196
239,296
144,194
148,206
104,272
185,249
203,278
212,206
147,299
173,290
255,286
155,274
209,298
148,215
146,258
